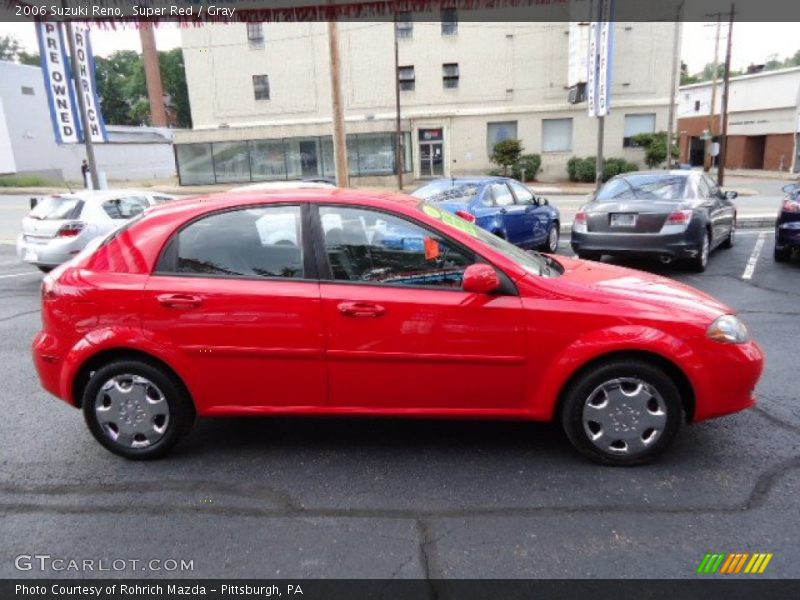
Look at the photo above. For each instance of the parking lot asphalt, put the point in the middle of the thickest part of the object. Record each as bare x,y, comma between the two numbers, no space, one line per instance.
409,498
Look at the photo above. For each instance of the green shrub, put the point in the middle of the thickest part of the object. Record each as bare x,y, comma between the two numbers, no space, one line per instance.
572,168
530,163
506,153
655,148
496,173
583,169
24,181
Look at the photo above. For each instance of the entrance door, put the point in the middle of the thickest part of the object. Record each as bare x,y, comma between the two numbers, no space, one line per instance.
308,158
431,153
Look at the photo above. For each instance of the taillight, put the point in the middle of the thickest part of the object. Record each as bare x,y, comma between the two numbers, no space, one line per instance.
579,222
71,229
679,217
791,205
465,215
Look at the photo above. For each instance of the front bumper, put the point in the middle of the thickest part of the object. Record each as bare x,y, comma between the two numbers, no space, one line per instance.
675,246
50,254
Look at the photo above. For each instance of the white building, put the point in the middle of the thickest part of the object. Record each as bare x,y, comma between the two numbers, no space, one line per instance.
763,120
260,97
27,141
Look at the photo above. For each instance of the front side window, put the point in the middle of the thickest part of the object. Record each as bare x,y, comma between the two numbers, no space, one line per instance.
369,246
252,242
523,194
125,207
261,87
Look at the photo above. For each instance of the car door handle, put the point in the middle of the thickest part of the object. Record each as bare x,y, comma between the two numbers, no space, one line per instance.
179,300
361,309
503,211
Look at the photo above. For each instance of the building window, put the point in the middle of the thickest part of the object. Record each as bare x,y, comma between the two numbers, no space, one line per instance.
636,124
404,26
449,21
27,90
406,78
255,35
497,132
261,87
697,106
556,135
450,75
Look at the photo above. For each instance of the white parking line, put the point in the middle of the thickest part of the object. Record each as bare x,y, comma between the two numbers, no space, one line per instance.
751,262
19,274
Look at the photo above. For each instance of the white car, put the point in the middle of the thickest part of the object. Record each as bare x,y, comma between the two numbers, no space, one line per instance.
60,226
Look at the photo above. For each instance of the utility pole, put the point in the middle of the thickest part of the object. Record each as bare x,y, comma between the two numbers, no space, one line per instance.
339,140
152,75
87,137
398,150
723,148
709,160
674,85
598,169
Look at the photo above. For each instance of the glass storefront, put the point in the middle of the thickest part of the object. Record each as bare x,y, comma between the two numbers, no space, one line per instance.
287,158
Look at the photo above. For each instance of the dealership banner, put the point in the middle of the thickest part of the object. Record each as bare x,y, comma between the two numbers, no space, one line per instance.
58,83
65,114
95,125
601,58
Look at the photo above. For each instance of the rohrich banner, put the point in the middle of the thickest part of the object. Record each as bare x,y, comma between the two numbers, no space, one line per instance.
57,70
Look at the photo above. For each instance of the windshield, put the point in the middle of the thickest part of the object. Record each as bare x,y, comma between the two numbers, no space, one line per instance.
644,187
57,208
531,261
448,191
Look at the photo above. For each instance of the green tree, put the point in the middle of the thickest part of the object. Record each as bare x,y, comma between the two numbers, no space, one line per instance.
173,75
655,148
29,58
506,153
9,47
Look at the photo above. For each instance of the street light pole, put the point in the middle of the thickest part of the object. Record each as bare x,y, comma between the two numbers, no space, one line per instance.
87,137
674,85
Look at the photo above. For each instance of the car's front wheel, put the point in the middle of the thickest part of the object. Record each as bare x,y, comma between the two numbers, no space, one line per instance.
622,412
136,409
782,254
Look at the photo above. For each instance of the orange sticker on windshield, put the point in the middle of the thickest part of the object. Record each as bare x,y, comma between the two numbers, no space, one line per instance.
431,249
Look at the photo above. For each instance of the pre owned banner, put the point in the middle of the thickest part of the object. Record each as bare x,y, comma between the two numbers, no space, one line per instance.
601,57
57,83
57,70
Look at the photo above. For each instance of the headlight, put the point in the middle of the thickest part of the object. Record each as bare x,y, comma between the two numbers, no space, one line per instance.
728,329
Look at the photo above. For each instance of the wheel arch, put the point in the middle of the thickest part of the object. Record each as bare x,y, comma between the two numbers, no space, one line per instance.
673,371
106,355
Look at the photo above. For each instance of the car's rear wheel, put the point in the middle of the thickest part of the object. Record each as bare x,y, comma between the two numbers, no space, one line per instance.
782,254
700,262
136,409
623,412
551,245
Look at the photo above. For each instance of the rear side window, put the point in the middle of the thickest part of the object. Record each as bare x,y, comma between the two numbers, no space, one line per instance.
125,207
252,242
502,195
54,208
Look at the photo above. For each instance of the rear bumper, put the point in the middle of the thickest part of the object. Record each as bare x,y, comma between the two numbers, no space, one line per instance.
48,358
50,254
679,245
787,235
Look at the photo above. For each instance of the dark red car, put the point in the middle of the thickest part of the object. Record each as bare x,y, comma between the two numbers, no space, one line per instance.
336,302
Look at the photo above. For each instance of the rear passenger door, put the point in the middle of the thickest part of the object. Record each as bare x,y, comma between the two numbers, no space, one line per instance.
235,294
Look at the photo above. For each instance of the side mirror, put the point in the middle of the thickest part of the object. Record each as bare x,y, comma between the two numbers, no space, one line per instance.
731,195
480,279
34,202
544,201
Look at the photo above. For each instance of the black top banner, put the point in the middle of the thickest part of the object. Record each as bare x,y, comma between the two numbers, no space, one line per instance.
200,11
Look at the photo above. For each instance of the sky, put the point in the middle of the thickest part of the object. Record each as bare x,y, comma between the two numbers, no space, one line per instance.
752,42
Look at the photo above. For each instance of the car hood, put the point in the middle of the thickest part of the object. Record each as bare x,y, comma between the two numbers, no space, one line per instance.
635,287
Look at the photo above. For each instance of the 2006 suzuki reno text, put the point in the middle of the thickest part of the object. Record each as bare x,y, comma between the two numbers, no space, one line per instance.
336,302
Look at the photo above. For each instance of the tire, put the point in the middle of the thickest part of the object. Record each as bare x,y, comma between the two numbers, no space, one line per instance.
589,256
782,254
159,405
551,243
611,385
699,263
729,241
44,269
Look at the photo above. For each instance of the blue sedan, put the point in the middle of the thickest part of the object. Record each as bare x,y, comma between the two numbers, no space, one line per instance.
500,205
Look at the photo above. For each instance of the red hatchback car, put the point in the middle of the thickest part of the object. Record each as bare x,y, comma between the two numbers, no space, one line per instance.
336,302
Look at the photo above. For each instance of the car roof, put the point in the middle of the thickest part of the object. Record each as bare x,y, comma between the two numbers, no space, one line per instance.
281,185
103,195
324,194
669,173
475,179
